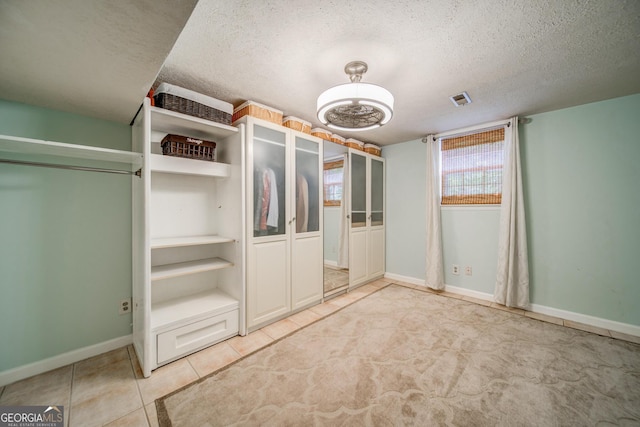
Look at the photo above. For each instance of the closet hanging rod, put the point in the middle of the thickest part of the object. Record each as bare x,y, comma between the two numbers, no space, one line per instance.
279,144
304,150
137,173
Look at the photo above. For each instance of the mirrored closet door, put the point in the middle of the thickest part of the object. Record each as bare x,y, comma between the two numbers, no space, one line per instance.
336,230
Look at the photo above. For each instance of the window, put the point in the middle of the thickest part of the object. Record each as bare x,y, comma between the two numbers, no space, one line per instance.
472,168
333,182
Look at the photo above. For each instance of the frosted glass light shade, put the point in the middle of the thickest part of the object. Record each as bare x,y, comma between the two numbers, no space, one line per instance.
355,106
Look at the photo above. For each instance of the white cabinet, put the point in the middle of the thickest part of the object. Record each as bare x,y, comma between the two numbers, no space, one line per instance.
284,225
188,244
367,229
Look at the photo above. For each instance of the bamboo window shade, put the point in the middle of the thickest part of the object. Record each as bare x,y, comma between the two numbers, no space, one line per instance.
333,172
472,168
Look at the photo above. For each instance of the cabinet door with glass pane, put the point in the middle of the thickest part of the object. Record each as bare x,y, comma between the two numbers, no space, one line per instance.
376,261
358,236
359,189
306,242
367,235
268,278
284,249
269,165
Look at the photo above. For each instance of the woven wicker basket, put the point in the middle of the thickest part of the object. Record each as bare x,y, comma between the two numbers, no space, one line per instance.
355,144
372,149
191,108
191,148
296,124
185,101
321,133
259,111
338,139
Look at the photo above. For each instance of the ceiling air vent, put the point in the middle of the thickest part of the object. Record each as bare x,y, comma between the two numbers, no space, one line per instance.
460,99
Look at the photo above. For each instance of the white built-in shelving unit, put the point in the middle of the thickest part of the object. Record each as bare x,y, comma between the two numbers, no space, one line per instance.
188,219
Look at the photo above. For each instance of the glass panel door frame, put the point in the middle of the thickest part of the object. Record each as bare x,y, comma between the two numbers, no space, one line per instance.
358,194
307,161
266,150
307,221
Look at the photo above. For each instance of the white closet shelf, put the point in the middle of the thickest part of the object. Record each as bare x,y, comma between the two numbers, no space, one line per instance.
167,271
182,124
175,242
191,307
20,145
183,166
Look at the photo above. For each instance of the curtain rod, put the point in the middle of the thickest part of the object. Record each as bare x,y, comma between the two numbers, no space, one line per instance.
77,168
470,129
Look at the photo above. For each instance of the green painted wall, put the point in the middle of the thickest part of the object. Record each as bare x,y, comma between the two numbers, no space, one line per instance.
406,193
470,238
581,172
65,242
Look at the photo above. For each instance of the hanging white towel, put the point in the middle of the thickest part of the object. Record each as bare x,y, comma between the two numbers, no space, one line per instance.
272,216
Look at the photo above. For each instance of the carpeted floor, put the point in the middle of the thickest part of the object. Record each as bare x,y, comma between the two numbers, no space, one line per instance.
406,357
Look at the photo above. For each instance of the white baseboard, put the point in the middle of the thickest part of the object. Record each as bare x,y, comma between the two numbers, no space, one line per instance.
35,368
469,293
612,325
405,279
330,263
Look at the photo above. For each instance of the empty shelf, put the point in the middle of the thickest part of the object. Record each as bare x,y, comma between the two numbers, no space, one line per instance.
176,242
20,145
184,166
167,271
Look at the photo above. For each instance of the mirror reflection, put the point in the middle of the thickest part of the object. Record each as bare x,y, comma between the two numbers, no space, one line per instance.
336,228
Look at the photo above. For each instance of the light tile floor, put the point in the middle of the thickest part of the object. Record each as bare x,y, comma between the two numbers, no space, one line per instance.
109,389
335,278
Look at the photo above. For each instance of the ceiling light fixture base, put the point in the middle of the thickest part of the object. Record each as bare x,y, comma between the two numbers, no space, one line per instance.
355,106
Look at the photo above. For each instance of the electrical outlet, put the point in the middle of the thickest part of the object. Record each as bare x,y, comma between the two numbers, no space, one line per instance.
125,306
467,270
455,270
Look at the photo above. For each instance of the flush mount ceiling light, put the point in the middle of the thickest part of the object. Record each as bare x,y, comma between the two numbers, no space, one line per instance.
355,106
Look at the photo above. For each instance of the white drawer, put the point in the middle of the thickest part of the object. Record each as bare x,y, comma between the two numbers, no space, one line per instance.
186,339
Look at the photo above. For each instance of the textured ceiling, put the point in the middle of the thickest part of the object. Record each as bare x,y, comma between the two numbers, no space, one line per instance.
91,57
513,57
